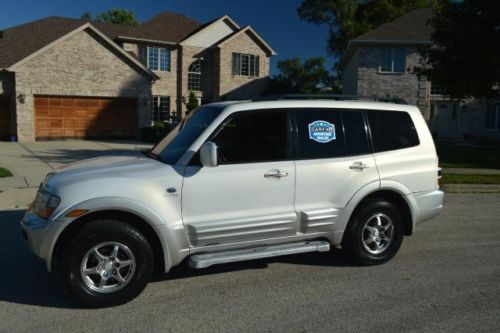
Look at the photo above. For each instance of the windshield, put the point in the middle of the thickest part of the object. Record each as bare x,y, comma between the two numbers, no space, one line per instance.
172,147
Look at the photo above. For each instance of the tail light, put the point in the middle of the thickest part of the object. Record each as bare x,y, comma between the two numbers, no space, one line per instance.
439,177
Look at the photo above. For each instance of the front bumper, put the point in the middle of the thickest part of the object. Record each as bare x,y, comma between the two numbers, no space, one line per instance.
40,235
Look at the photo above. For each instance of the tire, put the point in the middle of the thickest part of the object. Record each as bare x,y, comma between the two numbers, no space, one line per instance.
374,233
107,263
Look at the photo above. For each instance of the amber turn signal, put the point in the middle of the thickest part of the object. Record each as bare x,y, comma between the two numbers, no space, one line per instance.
76,212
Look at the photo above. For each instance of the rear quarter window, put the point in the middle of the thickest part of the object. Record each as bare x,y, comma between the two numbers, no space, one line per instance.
392,130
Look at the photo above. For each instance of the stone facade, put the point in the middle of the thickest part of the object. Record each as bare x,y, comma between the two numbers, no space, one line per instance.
81,65
241,87
407,86
446,119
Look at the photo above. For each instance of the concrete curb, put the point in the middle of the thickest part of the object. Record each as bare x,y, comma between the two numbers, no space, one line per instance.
471,188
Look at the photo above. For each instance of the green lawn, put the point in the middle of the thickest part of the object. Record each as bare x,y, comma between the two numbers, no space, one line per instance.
5,173
471,179
461,156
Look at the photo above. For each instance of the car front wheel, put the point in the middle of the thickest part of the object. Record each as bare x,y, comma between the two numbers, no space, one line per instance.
108,263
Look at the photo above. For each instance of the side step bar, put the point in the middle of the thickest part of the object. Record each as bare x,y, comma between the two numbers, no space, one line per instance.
208,259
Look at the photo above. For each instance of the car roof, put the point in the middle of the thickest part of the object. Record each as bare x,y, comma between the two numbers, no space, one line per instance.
232,106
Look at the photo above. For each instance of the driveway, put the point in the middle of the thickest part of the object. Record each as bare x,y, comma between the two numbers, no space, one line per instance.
446,278
30,162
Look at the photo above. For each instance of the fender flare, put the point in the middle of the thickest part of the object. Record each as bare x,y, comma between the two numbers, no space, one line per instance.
173,249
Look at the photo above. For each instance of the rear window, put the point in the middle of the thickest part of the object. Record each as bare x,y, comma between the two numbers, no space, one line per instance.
392,130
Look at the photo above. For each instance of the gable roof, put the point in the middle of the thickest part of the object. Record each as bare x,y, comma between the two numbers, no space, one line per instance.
20,44
166,27
413,28
226,18
248,29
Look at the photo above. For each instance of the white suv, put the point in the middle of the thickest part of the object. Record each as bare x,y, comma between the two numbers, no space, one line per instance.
238,181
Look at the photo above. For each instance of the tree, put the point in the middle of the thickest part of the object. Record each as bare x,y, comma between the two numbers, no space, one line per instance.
297,77
465,58
192,102
347,19
115,15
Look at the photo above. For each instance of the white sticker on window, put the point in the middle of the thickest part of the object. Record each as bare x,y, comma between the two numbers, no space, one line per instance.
322,131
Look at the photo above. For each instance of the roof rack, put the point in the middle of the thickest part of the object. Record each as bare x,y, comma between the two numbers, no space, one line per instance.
333,97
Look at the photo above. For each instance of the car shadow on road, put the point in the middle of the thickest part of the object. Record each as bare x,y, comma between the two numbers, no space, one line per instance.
25,280
24,277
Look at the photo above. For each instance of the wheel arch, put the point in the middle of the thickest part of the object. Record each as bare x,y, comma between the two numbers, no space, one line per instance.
398,198
129,218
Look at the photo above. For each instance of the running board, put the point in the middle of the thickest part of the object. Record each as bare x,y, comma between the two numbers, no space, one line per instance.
208,259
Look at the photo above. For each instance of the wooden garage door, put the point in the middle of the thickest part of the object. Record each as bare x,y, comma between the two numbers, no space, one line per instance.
4,116
85,117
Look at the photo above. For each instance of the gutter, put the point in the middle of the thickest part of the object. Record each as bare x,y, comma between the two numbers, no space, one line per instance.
144,40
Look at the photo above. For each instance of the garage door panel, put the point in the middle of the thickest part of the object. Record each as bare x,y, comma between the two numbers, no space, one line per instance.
43,123
69,123
41,102
55,102
59,117
42,112
55,113
55,123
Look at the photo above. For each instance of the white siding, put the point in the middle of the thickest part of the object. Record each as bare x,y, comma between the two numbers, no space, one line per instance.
210,35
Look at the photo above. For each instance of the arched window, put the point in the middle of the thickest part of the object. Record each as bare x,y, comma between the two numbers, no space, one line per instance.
194,76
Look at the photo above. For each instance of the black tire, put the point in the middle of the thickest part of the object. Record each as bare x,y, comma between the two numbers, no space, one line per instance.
108,232
356,248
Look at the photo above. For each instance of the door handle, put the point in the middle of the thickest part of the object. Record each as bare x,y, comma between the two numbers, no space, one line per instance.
358,166
273,174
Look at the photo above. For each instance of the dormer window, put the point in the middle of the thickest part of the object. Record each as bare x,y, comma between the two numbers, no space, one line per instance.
155,58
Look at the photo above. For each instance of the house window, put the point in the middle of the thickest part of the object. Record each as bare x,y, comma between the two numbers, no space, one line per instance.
437,90
392,60
155,58
194,76
245,64
492,119
160,109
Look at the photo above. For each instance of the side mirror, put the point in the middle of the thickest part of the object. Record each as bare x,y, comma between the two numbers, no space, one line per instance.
208,154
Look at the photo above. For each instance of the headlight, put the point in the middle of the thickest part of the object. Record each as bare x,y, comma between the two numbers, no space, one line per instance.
45,203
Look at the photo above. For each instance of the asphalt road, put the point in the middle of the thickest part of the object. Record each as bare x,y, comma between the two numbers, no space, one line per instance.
446,277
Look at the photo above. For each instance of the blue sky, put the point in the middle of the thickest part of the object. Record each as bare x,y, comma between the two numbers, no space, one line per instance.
275,20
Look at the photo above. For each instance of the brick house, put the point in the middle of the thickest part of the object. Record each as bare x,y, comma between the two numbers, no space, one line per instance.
381,62
66,78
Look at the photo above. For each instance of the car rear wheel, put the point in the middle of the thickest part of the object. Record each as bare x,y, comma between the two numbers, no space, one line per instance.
375,232
107,263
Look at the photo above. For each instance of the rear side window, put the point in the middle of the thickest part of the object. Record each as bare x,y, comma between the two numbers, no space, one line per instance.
328,133
392,130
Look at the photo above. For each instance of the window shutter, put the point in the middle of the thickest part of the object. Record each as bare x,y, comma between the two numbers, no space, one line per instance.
489,119
257,66
236,63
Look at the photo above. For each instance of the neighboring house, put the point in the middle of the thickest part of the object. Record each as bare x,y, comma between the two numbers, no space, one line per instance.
382,62
67,78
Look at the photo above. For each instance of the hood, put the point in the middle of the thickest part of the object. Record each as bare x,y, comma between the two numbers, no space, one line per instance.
126,166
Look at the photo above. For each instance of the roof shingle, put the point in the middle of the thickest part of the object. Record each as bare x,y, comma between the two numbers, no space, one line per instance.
412,27
167,27
18,42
